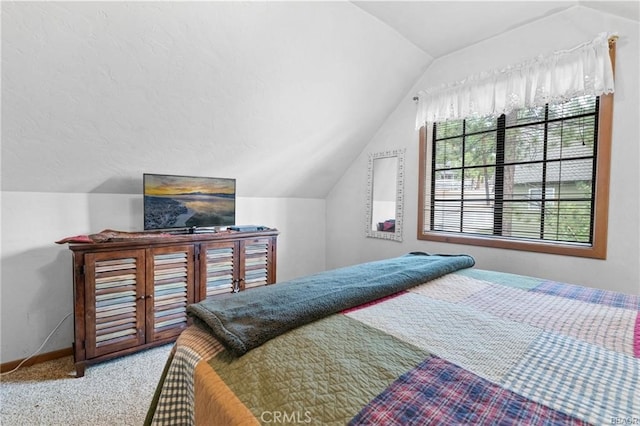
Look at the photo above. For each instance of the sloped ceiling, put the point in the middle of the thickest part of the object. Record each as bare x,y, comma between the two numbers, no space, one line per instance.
442,27
280,95
283,96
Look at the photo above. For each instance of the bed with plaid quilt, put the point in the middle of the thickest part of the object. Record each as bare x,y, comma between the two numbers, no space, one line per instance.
471,347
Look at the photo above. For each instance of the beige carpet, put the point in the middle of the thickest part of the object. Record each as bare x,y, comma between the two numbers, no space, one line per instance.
116,392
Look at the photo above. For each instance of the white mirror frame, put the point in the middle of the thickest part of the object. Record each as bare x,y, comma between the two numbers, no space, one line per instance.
397,235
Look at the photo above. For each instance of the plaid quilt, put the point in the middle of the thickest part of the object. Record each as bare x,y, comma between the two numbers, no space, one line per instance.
472,347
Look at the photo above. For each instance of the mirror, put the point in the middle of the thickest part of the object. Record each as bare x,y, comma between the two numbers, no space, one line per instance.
385,183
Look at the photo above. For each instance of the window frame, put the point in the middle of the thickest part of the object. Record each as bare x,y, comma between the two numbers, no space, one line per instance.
597,249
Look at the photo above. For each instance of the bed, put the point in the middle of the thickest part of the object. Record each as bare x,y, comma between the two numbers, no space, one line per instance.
387,343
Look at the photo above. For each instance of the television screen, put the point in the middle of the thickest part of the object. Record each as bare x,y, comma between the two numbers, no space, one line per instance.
188,201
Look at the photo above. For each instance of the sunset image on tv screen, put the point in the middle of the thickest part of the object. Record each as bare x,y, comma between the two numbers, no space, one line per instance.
188,201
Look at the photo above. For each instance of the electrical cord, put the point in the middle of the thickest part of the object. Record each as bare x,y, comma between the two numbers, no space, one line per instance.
40,348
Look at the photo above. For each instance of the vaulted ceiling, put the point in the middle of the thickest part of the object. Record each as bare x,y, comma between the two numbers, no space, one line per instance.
443,27
283,96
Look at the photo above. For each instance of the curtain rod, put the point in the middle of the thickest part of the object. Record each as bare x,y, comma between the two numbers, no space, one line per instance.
612,40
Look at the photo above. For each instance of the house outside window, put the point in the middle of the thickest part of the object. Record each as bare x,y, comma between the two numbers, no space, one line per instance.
536,200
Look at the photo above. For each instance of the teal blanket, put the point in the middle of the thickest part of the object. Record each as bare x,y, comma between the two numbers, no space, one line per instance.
249,319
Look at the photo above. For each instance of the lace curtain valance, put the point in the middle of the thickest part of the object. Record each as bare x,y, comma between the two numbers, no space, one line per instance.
583,70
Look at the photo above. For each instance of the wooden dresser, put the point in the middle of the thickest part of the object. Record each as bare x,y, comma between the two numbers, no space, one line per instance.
132,294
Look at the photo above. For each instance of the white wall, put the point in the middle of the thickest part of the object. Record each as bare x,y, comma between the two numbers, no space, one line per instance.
36,290
346,242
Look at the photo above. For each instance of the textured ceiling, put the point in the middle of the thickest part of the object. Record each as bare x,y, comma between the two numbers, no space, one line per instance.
282,96
443,27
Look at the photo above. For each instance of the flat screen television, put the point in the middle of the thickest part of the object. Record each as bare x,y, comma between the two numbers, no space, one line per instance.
189,202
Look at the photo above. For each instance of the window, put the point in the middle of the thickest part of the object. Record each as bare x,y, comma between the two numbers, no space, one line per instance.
535,179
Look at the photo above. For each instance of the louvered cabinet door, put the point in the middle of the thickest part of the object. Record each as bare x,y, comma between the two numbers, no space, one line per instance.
218,269
255,266
170,287
115,289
